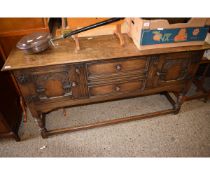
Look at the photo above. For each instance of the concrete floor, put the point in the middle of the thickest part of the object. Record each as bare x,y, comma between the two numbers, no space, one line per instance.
184,135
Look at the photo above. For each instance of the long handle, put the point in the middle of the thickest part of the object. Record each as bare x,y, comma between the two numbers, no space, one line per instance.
111,20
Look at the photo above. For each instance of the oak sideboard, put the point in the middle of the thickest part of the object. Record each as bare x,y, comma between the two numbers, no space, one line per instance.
101,71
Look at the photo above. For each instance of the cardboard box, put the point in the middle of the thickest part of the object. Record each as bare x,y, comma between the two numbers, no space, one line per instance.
158,33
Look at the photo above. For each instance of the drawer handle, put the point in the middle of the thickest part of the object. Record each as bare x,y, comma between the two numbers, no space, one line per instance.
117,88
118,67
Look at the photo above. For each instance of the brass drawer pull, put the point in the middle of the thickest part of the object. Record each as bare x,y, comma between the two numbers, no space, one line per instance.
118,67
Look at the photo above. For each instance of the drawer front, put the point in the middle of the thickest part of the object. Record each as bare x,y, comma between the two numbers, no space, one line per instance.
51,83
117,88
116,67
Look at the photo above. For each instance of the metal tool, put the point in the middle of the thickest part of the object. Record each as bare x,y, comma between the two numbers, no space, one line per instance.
38,42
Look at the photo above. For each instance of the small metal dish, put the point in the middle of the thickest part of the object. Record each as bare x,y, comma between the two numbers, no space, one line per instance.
34,43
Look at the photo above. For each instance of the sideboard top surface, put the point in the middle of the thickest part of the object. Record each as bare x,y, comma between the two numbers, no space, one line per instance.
94,48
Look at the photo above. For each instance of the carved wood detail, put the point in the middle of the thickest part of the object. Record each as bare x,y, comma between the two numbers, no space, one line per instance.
40,78
62,77
23,78
169,64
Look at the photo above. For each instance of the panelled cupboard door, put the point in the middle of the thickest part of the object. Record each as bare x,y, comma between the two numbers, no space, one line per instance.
177,67
56,82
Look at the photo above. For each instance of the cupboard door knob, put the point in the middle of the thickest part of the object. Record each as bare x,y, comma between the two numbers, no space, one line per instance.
118,67
117,88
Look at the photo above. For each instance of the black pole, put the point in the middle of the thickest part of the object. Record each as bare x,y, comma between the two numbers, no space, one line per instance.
111,20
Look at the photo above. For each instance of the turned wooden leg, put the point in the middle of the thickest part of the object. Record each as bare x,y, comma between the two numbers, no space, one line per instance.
162,93
41,125
39,118
23,106
179,102
16,136
205,99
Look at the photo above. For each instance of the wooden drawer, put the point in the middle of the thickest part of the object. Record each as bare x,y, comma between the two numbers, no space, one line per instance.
116,67
126,87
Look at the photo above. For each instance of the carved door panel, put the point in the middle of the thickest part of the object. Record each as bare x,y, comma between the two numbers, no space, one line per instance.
51,83
55,84
175,68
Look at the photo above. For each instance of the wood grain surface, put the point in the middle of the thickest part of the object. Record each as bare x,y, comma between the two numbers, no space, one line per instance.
94,48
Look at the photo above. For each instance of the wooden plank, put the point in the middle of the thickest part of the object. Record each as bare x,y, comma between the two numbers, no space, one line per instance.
110,122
